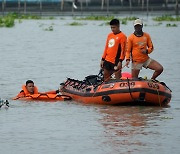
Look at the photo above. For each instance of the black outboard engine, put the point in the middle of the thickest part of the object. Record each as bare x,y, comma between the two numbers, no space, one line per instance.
94,79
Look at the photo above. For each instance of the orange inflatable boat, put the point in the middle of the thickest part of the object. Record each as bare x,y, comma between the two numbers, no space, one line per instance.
116,92
44,97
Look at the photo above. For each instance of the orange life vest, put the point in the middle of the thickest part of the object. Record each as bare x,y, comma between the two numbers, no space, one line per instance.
26,92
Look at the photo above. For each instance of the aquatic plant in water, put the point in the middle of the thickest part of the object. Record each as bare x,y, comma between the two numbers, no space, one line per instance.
171,25
50,28
76,24
167,18
124,22
23,16
104,24
130,18
9,19
95,18
6,21
126,19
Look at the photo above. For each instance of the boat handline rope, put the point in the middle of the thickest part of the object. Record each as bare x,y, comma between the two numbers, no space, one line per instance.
130,90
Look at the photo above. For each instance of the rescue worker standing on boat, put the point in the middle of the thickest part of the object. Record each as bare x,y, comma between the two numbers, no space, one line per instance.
139,46
114,52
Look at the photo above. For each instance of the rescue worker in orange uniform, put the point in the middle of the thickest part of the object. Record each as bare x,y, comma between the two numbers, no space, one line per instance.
30,89
114,52
139,46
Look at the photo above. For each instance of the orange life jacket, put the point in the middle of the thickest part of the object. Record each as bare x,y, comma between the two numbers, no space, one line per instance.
26,92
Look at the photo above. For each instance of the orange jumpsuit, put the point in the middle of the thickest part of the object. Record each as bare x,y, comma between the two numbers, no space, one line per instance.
135,45
115,48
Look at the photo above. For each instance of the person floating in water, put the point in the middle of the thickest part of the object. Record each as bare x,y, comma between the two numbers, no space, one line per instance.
30,89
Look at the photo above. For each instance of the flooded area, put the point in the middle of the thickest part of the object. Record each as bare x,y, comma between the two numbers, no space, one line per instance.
30,50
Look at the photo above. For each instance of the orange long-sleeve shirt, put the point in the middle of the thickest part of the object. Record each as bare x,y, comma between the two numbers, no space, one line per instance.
135,45
115,47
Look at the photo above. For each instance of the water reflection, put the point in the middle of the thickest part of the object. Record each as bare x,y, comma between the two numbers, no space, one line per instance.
127,126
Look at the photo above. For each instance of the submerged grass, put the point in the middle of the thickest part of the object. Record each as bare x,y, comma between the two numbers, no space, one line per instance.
167,18
6,21
9,19
50,28
171,25
105,18
76,24
22,16
94,18
123,21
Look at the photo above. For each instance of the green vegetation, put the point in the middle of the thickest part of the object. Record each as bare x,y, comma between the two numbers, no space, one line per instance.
106,18
171,25
9,19
104,24
22,16
158,24
167,18
95,18
124,21
129,18
76,24
50,28
51,18
6,21
166,118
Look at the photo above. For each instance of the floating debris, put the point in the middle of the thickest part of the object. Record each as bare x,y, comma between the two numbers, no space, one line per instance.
50,28
4,103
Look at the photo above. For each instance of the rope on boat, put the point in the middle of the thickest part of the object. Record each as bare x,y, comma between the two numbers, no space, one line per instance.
159,97
130,90
165,86
157,92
